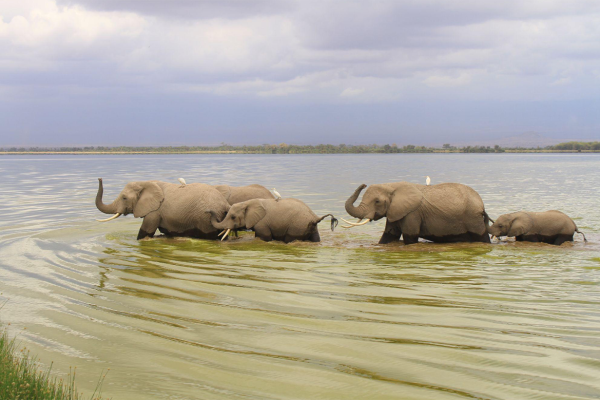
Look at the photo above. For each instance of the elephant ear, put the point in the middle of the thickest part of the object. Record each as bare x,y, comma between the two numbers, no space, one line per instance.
254,213
404,200
225,190
521,224
150,197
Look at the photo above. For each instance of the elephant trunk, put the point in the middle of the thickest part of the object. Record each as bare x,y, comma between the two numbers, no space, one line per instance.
356,212
215,222
105,208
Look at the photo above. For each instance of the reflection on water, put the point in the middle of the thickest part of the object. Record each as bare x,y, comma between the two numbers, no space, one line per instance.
341,319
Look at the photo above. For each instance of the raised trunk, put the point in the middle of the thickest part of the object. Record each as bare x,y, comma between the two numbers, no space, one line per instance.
105,208
356,212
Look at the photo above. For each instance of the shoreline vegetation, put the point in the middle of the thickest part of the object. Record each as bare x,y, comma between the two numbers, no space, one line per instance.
22,378
283,148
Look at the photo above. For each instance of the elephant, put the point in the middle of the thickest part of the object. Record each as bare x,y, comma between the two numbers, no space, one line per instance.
239,194
553,227
443,213
174,210
284,220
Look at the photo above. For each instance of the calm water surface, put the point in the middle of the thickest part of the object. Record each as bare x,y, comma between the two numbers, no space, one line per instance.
341,319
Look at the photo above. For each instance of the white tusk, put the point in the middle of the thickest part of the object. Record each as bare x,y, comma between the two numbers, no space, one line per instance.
222,232
117,215
225,235
354,223
348,227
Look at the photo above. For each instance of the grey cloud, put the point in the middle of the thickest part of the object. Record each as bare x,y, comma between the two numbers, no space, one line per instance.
189,9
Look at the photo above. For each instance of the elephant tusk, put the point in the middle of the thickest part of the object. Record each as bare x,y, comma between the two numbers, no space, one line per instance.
117,215
222,232
225,235
354,223
347,227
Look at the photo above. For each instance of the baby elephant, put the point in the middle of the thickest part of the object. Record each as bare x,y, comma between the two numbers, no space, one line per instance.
285,220
553,227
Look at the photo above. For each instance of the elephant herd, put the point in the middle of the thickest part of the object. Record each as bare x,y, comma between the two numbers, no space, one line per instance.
443,213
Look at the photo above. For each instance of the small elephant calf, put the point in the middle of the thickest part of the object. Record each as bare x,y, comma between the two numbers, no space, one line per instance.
553,227
285,220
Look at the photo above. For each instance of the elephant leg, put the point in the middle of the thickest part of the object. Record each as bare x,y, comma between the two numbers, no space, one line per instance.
391,233
560,239
410,239
485,238
315,237
388,237
149,226
263,233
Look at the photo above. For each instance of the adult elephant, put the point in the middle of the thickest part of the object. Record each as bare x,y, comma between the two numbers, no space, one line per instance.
173,209
447,212
239,194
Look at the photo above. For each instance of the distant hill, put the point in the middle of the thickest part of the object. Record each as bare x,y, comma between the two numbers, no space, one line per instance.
527,140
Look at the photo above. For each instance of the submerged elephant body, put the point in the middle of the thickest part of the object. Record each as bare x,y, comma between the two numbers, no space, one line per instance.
285,220
239,194
553,227
447,212
174,210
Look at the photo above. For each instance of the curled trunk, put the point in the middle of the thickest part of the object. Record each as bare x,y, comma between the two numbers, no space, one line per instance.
105,208
215,222
356,212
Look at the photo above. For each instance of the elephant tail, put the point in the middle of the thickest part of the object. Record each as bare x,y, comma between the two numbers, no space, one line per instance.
582,234
334,221
487,219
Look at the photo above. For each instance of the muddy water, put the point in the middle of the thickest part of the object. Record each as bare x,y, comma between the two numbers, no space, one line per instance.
342,319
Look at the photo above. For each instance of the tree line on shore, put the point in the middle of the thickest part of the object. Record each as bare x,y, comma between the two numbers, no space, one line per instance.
284,148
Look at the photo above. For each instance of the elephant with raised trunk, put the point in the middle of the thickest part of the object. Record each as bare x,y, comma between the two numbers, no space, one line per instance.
553,227
447,212
238,194
285,220
173,209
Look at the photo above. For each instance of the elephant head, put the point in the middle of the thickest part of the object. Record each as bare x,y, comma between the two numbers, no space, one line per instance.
240,216
139,198
382,200
514,224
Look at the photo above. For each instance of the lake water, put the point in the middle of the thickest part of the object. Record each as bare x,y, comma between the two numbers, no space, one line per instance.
341,319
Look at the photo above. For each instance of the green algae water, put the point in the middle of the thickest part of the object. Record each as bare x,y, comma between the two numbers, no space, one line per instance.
341,319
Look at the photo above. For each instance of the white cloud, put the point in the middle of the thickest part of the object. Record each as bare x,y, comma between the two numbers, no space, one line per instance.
333,51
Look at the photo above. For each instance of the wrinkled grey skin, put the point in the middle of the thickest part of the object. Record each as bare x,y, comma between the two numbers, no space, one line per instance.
285,220
173,209
447,212
238,194
553,227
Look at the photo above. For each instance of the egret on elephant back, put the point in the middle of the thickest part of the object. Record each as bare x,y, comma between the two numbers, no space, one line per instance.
446,212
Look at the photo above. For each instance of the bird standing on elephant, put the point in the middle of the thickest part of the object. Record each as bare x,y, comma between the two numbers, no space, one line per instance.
170,208
446,212
285,220
553,227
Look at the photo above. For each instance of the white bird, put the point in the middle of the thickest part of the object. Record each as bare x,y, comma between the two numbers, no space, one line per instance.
428,181
277,195
182,181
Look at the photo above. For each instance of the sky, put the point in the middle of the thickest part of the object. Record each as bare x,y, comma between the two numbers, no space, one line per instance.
203,72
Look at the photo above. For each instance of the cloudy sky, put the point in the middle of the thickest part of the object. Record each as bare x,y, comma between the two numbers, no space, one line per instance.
157,72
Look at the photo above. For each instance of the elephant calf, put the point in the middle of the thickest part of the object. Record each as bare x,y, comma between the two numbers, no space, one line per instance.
553,227
285,220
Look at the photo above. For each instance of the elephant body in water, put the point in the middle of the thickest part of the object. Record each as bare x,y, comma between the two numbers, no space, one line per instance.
238,194
553,227
173,209
285,220
447,212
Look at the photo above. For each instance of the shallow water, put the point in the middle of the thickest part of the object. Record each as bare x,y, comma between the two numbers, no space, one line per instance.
342,319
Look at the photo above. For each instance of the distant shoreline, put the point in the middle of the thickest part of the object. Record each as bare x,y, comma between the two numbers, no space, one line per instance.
284,148
74,153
